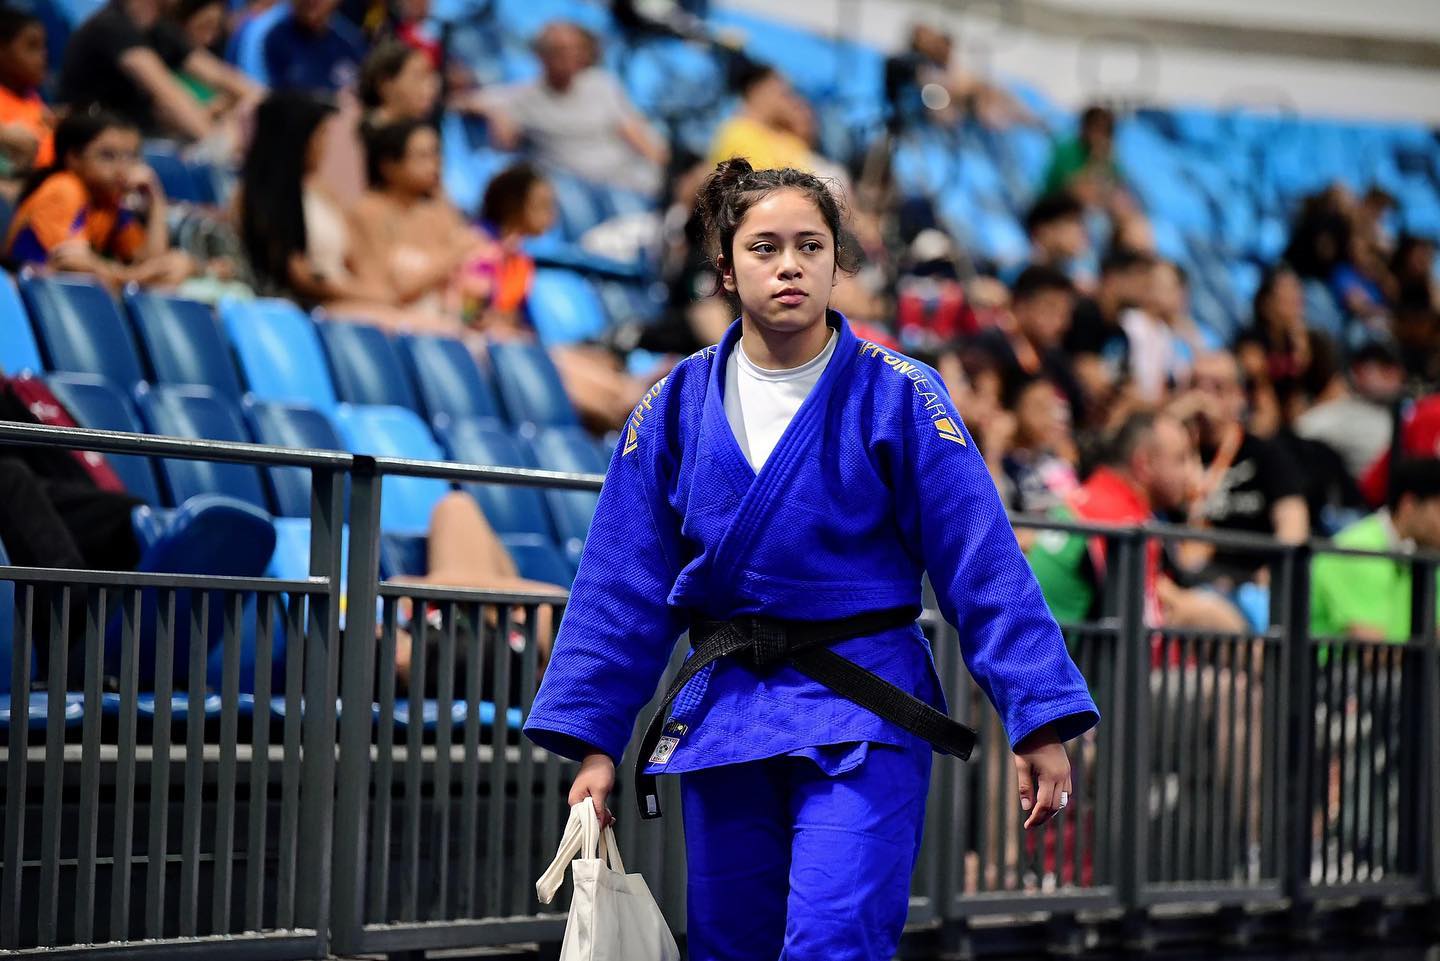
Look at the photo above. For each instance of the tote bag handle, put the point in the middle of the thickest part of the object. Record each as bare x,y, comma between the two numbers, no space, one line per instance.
582,838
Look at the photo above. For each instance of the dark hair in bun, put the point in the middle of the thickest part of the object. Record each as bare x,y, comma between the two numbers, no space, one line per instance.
728,194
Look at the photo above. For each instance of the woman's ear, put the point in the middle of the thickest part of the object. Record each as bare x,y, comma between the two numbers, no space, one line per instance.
727,275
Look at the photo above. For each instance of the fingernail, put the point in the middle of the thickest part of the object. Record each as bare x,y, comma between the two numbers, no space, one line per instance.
1024,804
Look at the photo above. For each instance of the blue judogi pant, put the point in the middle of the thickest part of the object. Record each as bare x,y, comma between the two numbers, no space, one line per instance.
787,861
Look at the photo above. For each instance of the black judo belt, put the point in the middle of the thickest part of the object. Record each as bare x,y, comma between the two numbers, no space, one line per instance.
804,645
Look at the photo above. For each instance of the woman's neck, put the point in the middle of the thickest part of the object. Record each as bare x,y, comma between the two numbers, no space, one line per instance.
783,350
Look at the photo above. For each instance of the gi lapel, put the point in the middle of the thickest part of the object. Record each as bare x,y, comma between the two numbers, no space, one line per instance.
799,439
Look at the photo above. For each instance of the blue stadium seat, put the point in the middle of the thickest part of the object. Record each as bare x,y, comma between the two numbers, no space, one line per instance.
537,559
94,402
19,351
569,449
184,343
176,178
286,425
577,203
366,365
510,509
279,352
564,307
529,385
406,502
452,386
80,329
7,629
200,412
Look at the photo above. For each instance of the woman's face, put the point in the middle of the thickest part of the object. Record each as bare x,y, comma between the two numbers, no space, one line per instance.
105,163
782,263
26,57
412,93
1286,304
203,27
418,171
538,214
1042,417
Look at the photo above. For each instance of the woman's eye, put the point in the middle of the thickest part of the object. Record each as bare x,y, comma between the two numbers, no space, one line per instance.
811,246
763,248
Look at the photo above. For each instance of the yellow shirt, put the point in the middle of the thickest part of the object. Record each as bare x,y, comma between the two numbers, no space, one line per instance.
763,146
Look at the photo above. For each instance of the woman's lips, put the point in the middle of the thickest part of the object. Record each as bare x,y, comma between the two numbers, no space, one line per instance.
790,296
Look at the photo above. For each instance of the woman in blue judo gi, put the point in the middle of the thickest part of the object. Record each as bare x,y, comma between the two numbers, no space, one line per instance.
780,496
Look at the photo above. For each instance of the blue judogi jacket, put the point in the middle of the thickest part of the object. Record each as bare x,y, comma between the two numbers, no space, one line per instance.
875,482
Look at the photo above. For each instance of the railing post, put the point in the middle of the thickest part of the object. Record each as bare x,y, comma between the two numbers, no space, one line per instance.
1296,748
1423,628
1126,592
357,694
320,638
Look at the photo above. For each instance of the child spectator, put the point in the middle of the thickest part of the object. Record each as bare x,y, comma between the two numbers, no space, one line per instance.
1039,466
97,209
1056,228
26,124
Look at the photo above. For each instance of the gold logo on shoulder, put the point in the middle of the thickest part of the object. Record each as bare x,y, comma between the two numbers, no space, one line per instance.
947,429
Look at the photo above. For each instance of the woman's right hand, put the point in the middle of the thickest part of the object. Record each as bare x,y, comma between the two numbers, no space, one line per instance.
596,780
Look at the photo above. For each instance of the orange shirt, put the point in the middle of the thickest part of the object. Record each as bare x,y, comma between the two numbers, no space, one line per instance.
60,210
30,111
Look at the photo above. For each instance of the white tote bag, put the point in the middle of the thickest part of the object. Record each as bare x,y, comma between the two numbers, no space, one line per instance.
613,916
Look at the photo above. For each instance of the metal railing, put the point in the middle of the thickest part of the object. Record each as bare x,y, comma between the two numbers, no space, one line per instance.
228,764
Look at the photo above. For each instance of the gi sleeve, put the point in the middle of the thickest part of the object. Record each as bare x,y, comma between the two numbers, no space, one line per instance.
618,631
953,521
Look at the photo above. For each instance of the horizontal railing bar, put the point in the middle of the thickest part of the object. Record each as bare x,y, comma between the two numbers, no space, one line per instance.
201,582
461,934
437,592
1272,636
476,473
264,946
158,445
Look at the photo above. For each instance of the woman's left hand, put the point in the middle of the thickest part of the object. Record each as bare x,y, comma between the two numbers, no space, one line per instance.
1044,772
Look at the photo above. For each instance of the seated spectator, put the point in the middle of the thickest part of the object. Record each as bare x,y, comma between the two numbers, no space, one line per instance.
1056,228
1040,463
1249,484
1096,339
98,209
519,203
1274,350
27,127
1041,301
1086,164
761,129
1148,467
1352,415
1164,340
577,118
1368,598
398,83
313,49
124,58
410,243
202,23
956,93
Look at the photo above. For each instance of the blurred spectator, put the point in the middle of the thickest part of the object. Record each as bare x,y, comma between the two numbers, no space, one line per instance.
313,49
1039,465
27,138
1096,340
1413,267
1320,235
125,57
1131,232
1056,228
1361,281
1148,467
761,130
202,23
577,118
1041,302
413,246
98,209
1163,339
1368,598
1249,485
1419,438
398,83
1356,423
1086,164
1275,350
924,84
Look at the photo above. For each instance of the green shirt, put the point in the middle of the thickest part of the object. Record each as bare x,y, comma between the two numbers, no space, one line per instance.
1068,160
1058,560
1374,592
